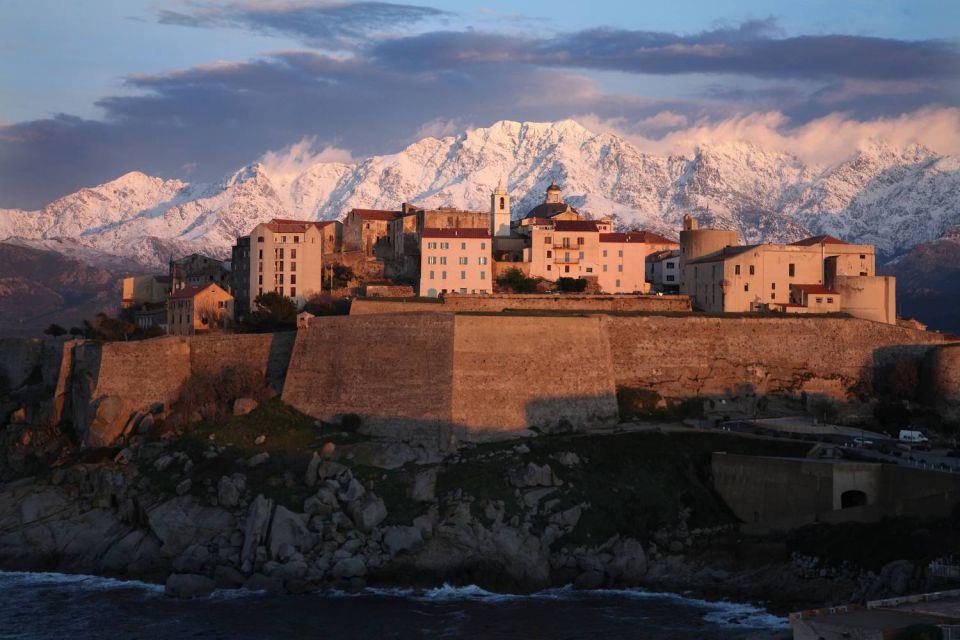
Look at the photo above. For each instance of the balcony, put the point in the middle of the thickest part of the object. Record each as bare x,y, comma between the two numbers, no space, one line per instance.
568,247
571,260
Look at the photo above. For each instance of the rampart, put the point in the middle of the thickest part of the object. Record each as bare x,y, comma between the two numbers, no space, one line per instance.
698,355
533,302
942,368
794,492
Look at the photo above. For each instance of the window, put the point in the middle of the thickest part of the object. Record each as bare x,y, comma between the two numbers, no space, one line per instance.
549,253
443,275
293,253
819,300
618,284
293,292
604,268
260,279
259,238
463,290
863,256
736,269
296,240
581,255
443,259
261,254
829,300
431,245
260,267
483,246
566,256
483,275
284,240
580,240
482,260
464,260
548,267
620,268
431,259
620,253
753,270
502,205
746,287
863,273
463,275
547,240
293,279
604,253
773,285
280,280
792,268
431,275
589,269
444,245
566,269
669,278
281,253
773,296
463,246
293,266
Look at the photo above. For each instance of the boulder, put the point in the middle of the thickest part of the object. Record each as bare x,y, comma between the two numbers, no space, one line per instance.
183,487
367,512
228,494
182,521
310,476
533,475
256,528
352,567
629,563
424,486
260,582
258,459
354,491
226,577
243,406
329,469
192,560
188,585
288,529
402,539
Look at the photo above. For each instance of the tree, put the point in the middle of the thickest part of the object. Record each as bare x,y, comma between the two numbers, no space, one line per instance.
514,280
342,276
109,328
273,312
320,304
55,330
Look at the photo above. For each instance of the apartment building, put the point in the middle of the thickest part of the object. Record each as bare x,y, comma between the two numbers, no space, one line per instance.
455,261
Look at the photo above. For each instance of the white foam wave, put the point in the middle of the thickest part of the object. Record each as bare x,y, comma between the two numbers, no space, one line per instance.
80,581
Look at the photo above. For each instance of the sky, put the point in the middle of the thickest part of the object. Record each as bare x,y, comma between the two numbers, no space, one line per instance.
195,89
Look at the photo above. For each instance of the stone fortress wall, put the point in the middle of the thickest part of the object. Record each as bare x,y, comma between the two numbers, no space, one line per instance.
440,373
497,303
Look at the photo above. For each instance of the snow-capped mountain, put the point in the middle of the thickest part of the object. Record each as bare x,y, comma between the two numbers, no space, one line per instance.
894,198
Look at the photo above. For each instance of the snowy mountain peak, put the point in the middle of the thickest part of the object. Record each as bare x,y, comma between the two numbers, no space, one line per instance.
893,197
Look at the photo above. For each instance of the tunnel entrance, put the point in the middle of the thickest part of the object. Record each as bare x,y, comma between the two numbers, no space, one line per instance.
852,498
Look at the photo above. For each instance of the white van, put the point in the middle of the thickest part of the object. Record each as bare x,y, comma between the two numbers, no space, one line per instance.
913,437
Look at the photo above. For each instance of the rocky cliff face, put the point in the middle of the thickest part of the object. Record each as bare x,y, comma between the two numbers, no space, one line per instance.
895,198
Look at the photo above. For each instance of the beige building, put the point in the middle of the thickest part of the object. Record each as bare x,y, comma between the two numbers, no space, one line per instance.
197,309
405,234
455,261
817,275
143,290
364,231
288,257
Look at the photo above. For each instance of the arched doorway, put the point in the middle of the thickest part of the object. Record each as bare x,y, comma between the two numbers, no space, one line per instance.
852,498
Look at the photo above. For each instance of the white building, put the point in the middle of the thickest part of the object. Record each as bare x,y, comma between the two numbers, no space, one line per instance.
455,261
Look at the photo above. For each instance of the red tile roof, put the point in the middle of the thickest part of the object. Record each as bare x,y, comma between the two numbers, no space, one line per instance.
812,240
456,233
647,237
813,288
293,226
377,214
191,291
575,225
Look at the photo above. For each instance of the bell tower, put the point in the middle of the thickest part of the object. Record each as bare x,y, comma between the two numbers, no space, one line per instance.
499,212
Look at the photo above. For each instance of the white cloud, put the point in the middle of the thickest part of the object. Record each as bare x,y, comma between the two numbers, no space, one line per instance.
296,158
826,140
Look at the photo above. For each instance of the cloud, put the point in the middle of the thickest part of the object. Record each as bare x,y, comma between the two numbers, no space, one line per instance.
322,23
826,140
754,48
294,159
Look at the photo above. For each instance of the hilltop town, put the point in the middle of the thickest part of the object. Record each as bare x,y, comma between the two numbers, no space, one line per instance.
435,253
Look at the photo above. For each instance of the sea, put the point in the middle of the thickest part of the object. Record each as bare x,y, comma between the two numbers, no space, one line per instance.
55,605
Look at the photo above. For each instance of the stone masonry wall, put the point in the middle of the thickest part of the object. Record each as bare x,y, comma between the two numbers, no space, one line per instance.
389,369
502,302
511,373
698,355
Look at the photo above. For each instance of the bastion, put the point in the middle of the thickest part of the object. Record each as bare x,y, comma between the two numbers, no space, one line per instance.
523,302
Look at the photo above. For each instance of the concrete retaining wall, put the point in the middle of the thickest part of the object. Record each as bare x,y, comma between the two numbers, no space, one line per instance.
781,493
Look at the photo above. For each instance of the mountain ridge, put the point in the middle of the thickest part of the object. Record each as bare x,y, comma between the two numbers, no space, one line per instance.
893,197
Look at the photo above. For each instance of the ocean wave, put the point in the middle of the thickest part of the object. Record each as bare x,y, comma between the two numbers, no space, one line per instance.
78,580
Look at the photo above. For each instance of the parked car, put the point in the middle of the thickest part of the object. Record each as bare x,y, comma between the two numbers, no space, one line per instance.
912,437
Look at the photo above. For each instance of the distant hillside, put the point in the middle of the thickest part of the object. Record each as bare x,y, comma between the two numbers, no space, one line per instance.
39,287
928,282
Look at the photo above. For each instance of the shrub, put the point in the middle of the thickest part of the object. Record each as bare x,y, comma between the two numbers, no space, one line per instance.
273,312
514,280
55,330
321,304
572,285
209,395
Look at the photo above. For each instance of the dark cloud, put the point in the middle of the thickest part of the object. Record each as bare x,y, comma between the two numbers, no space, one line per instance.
751,49
316,23
219,116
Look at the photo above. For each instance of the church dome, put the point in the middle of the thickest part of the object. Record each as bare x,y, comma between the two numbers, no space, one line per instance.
553,187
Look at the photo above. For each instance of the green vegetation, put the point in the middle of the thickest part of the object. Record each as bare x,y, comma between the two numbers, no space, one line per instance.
515,281
273,313
634,482
572,285
321,304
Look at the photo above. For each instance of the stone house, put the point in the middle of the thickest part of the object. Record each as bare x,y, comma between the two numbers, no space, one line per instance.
197,309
